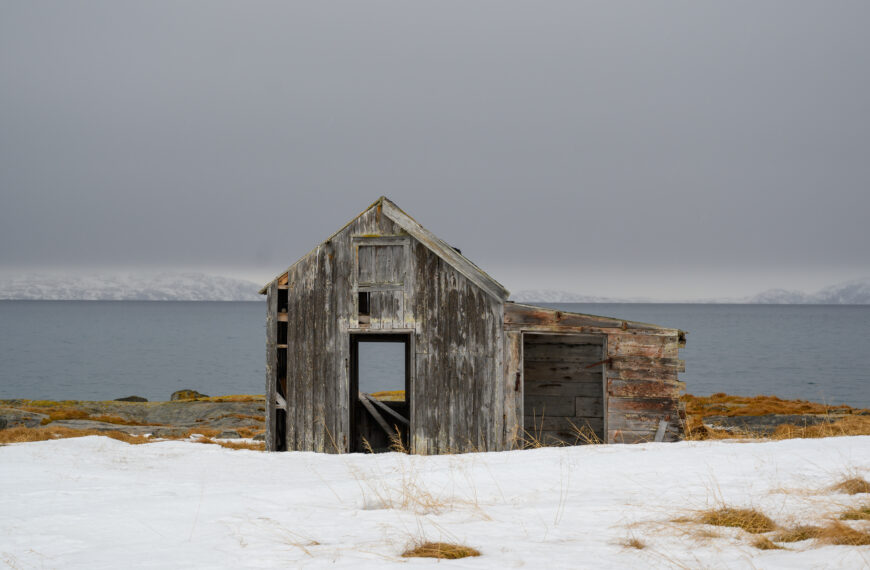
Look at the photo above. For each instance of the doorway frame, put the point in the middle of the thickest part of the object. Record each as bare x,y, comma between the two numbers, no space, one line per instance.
354,338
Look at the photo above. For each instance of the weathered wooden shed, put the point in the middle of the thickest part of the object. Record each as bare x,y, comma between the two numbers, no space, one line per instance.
481,372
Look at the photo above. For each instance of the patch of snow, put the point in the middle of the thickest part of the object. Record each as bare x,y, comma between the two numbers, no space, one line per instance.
95,502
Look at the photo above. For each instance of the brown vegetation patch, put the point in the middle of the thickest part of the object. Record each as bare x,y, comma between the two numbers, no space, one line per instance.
22,434
860,513
65,414
842,534
250,432
440,550
721,404
848,425
634,542
117,420
235,398
204,432
258,419
389,395
749,520
797,534
252,445
764,543
852,486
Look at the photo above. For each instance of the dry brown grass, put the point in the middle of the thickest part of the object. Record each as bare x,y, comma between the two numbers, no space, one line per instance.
252,445
250,432
842,534
859,513
204,432
440,550
235,398
852,486
66,414
721,404
389,395
750,520
22,434
117,420
847,425
259,419
764,543
797,534
633,542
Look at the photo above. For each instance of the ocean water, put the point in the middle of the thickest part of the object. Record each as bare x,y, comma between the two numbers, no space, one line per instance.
105,350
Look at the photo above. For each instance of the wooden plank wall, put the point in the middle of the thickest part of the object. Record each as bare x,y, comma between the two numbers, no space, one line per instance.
642,386
564,388
320,308
457,399
271,363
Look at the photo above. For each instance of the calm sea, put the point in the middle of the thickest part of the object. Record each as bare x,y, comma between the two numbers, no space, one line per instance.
104,350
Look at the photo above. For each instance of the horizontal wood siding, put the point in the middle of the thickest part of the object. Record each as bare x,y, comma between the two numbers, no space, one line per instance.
641,368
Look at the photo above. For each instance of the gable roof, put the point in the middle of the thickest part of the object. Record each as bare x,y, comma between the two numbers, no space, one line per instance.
432,242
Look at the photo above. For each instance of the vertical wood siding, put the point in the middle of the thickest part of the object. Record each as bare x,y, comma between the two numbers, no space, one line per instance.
457,396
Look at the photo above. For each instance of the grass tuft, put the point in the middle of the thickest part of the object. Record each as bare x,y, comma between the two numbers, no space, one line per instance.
852,486
797,534
721,404
861,513
764,543
252,445
843,535
749,520
440,550
633,542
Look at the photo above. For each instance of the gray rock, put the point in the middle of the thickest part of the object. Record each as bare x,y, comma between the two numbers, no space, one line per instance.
131,399
229,434
186,394
100,426
260,437
766,424
13,417
169,432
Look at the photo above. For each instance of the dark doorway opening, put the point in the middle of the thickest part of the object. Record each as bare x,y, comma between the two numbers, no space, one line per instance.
563,396
380,383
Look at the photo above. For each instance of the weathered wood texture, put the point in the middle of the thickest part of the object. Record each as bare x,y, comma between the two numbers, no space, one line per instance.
458,401
641,367
512,387
321,304
564,391
474,383
457,396
271,364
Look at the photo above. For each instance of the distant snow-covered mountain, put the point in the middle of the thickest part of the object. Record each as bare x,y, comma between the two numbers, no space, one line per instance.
127,287
849,293
552,296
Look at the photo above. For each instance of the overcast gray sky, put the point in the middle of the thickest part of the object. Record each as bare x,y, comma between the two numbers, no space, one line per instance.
664,149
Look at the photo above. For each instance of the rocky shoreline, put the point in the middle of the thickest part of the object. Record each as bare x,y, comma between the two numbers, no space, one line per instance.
223,418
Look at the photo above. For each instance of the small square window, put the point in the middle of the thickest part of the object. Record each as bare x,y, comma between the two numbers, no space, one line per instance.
365,303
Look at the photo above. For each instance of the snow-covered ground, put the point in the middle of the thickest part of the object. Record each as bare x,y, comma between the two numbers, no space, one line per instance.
94,502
